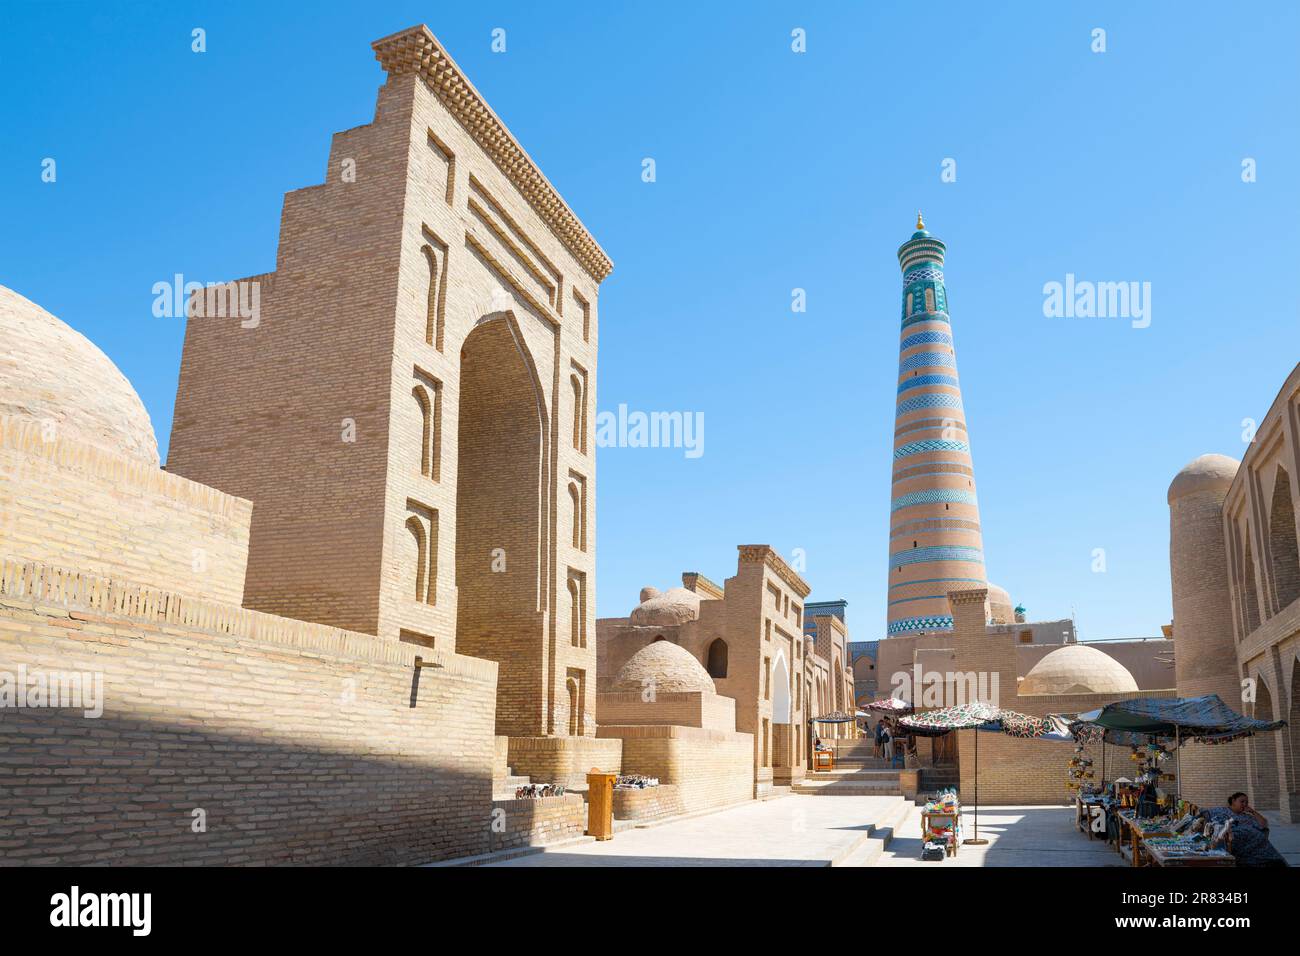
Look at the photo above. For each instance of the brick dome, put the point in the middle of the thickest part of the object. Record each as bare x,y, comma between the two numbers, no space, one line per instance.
666,667
1207,473
1077,669
999,605
49,372
674,606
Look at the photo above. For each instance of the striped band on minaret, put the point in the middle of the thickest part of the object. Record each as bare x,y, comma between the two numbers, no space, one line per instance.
934,528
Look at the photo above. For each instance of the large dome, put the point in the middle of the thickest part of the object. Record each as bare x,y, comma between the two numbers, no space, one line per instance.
1077,669
667,668
674,606
1207,473
49,372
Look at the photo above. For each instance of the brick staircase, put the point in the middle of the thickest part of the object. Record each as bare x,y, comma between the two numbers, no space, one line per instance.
847,781
511,784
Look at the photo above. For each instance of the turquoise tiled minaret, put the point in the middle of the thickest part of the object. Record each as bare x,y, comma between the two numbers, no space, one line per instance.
934,528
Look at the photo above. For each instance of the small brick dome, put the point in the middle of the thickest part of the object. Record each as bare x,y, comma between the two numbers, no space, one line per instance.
669,668
1078,669
999,605
50,372
1207,473
674,606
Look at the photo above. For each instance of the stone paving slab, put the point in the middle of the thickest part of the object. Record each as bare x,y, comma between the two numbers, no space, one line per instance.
793,831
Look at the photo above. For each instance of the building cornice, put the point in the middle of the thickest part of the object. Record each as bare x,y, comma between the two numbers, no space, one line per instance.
754,553
698,583
416,50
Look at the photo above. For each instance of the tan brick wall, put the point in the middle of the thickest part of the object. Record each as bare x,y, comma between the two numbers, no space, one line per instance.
300,742
564,760
687,710
652,803
538,821
710,768
72,505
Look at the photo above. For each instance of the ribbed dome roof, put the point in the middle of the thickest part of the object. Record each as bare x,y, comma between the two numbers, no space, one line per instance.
674,606
1078,669
50,372
1207,473
666,667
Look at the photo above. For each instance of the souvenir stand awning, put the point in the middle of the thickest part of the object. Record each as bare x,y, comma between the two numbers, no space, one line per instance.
1207,719
1167,721
835,717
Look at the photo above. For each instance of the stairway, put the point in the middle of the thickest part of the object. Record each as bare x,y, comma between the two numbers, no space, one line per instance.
868,852
850,782
512,783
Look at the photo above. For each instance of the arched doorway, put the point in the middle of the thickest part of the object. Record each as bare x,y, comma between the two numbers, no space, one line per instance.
1264,782
783,745
717,666
500,501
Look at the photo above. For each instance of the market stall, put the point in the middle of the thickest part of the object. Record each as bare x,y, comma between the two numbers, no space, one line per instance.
1152,825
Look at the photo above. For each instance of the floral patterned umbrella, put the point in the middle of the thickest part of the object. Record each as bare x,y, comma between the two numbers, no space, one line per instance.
936,723
890,705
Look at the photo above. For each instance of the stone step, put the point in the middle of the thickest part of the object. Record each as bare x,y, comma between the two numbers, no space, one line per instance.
882,834
848,788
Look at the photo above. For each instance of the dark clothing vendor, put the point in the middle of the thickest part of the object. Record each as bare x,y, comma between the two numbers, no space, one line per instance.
1248,838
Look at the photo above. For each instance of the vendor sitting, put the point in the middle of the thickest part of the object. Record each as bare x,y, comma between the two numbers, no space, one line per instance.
1248,838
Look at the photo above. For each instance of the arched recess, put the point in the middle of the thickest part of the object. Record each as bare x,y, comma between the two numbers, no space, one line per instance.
717,659
416,528
837,679
421,396
1292,729
1264,781
579,414
575,512
1250,595
575,614
780,691
501,531
1282,542
575,708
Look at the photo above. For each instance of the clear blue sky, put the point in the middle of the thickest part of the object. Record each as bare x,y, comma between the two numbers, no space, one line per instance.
775,171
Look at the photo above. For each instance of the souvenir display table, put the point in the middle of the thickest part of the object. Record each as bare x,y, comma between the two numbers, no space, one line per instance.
823,760
941,821
1185,851
1088,808
1138,830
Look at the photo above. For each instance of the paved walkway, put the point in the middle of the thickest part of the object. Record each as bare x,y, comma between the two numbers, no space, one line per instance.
824,831
1036,836
791,831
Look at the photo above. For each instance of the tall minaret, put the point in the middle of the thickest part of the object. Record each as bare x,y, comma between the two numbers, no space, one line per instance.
934,527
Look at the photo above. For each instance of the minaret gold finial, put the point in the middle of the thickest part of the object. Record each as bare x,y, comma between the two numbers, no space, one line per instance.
919,224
